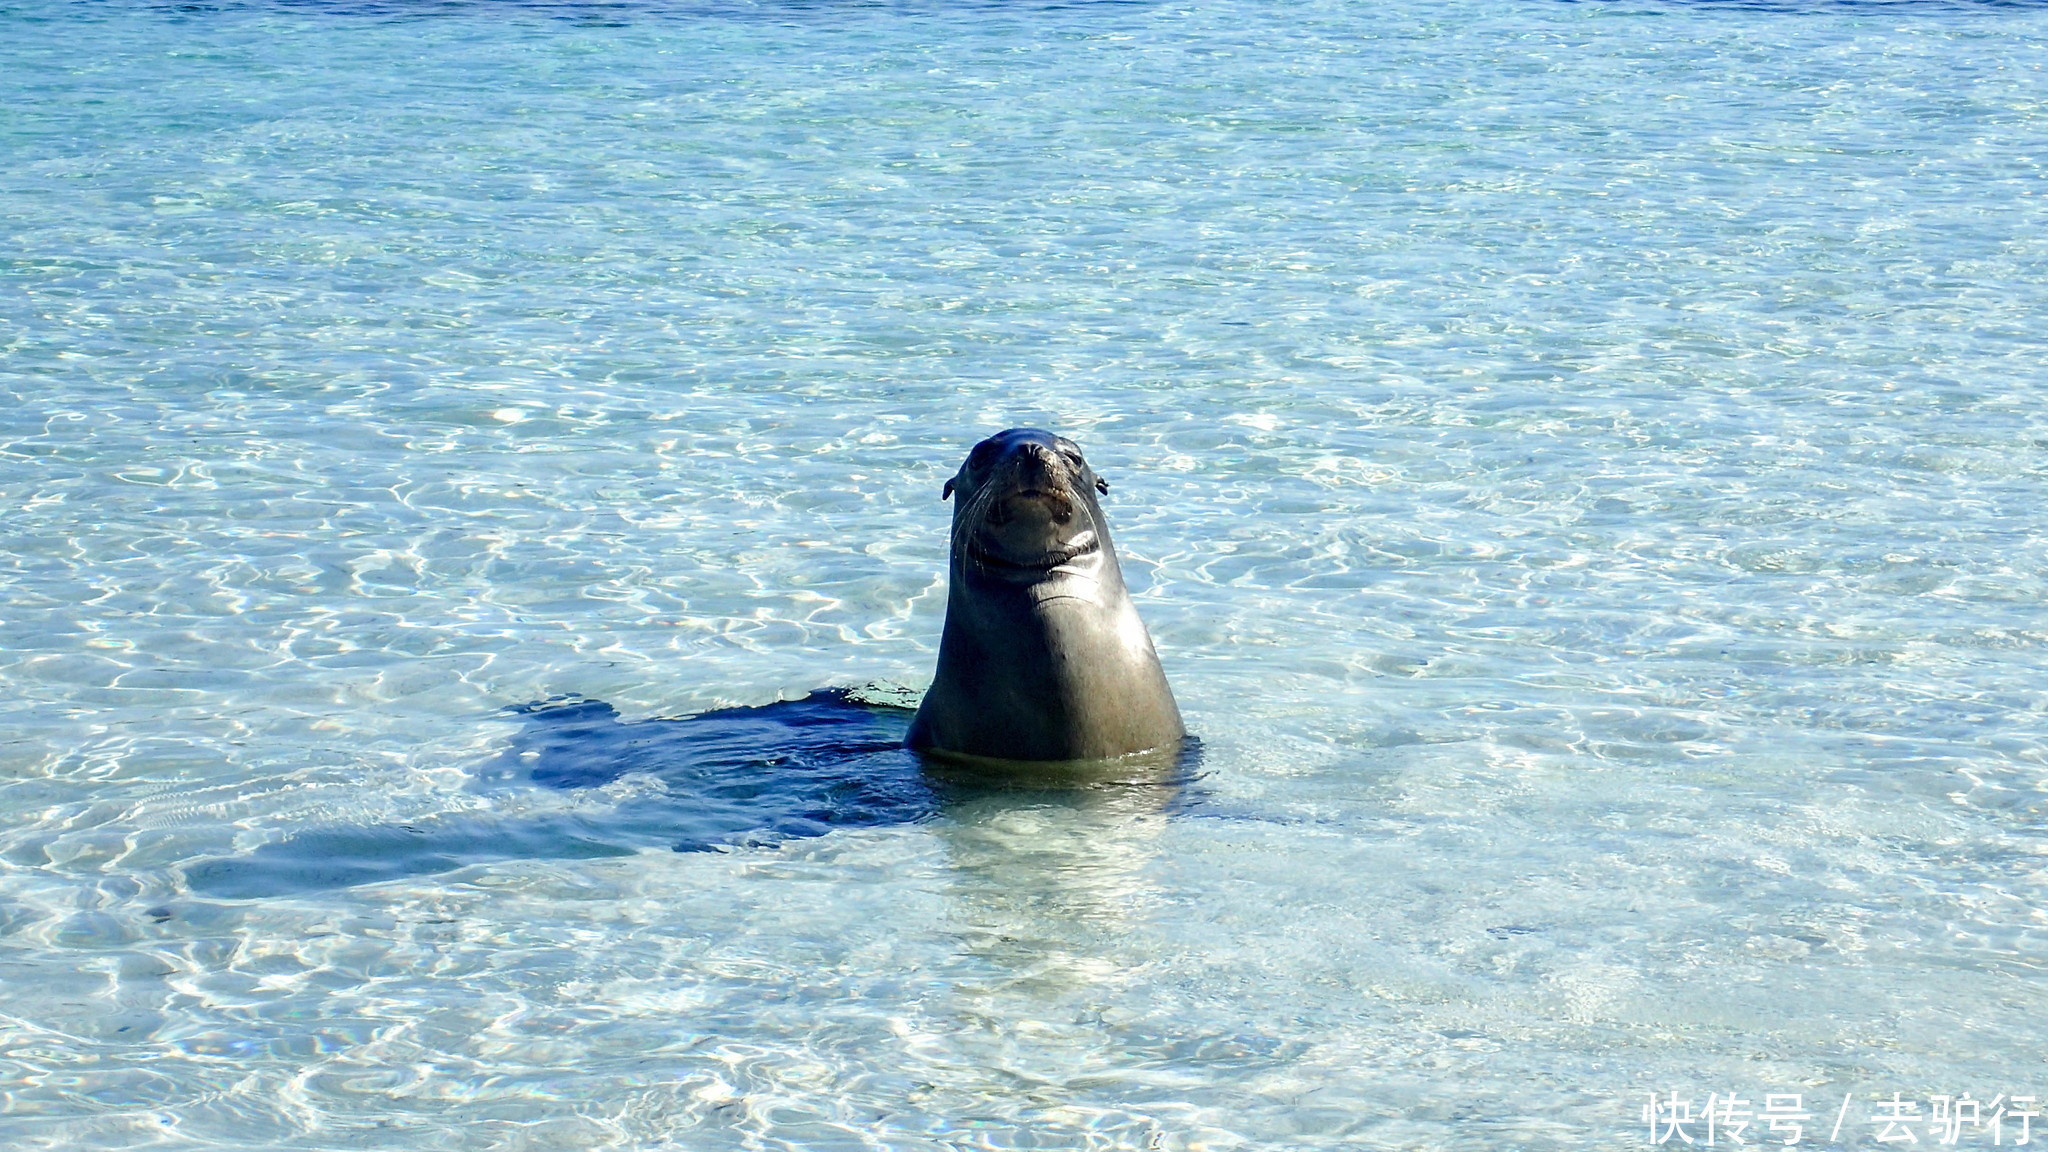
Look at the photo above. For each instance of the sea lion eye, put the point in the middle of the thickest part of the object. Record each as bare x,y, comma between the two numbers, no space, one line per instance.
982,454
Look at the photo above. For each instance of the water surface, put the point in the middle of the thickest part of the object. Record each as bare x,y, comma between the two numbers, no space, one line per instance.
1582,464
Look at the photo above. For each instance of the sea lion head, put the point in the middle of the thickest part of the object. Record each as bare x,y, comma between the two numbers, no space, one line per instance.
1025,510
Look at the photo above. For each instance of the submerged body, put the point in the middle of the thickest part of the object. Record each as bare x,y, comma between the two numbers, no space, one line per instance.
1043,657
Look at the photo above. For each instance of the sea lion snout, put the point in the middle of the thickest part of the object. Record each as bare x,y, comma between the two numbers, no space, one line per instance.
1032,506
1034,472
1037,489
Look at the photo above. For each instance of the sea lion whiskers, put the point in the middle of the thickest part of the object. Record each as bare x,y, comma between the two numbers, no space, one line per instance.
968,517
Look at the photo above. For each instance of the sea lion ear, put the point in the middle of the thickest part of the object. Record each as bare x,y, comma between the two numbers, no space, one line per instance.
946,493
1102,485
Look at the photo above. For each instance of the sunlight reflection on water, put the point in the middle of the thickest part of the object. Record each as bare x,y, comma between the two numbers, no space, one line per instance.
1581,464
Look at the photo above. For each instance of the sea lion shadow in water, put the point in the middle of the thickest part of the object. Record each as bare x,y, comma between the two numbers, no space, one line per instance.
730,778
739,777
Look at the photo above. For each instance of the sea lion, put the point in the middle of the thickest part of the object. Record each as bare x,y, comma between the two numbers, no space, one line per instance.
1043,656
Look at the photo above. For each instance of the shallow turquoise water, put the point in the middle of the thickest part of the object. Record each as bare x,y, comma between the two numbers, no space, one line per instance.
1583,466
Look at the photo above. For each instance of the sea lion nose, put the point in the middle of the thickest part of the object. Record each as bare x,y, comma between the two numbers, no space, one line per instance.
1044,470
1039,462
1038,492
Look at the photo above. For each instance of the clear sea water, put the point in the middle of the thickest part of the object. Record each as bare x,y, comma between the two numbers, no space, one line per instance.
1583,465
